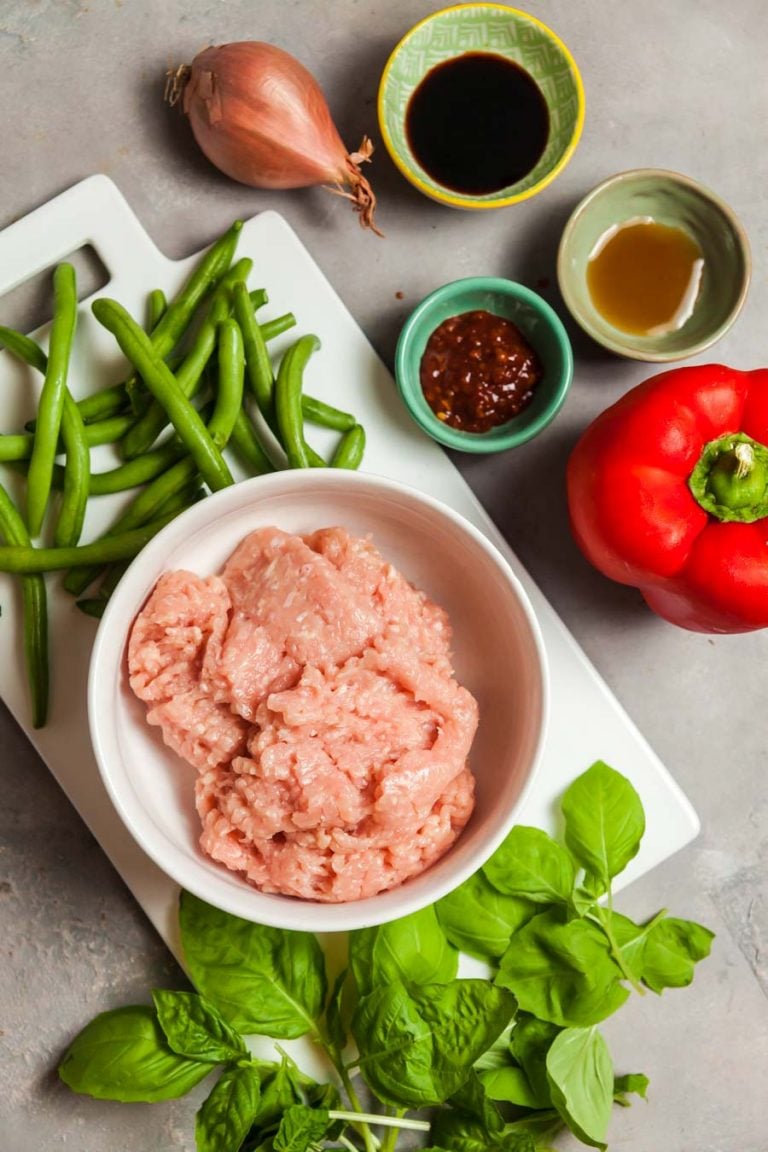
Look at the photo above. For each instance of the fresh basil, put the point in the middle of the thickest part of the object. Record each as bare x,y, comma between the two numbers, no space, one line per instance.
604,822
581,1083
194,1027
510,1084
413,950
479,920
531,1040
531,865
225,1117
337,1033
280,1089
302,1129
500,1079
562,971
263,980
123,1055
417,1045
631,1084
672,950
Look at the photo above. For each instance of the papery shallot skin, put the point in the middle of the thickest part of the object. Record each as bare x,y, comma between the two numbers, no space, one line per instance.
267,142
311,686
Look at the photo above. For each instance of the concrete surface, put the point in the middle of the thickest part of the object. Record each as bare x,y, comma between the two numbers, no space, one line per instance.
678,85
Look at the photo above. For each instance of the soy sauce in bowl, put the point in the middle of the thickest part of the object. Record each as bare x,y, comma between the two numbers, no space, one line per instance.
477,123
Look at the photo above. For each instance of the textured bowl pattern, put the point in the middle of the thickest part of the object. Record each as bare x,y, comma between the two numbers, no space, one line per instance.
483,28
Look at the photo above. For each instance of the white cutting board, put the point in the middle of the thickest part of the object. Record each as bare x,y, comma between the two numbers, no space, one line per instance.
586,721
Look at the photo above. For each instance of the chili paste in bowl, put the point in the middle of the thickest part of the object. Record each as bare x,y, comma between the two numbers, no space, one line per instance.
483,364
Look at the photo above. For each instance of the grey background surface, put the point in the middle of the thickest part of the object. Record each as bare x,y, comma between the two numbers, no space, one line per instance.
680,85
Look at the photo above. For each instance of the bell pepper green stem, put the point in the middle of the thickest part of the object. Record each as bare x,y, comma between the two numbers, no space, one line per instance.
730,480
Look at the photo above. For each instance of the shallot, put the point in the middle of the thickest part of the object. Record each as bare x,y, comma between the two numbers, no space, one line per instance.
262,118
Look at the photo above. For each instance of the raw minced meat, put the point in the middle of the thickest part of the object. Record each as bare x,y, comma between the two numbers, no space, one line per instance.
311,686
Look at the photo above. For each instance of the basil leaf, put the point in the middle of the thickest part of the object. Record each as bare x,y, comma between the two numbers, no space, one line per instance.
511,1085
632,939
225,1117
562,971
413,950
417,1046
633,1083
193,1027
479,920
301,1129
473,1100
604,822
581,1082
337,1033
263,980
280,1089
459,1133
672,950
531,1040
123,1055
532,865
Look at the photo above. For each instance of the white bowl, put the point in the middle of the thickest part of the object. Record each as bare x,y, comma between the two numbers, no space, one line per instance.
499,657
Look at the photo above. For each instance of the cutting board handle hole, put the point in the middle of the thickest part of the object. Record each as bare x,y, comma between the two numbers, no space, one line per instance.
29,305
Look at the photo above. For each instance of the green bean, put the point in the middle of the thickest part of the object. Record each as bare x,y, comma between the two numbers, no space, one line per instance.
157,306
129,475
208,272
247,445
107,431
164,497
34,613
24,347
350,449
229,395
258,363
147,505
112,578
317,412
259,298
26,559
18,446
77,476
162,383
101,405
93,607
52,396
288,400
272,328
150,424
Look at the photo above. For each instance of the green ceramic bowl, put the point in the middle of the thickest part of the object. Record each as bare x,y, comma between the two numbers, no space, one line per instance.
678,201
484,28
536,320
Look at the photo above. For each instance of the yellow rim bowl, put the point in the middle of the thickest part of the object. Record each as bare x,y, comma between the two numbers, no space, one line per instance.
503,31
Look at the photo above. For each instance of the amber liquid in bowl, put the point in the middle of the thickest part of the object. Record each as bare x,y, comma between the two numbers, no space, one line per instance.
644,277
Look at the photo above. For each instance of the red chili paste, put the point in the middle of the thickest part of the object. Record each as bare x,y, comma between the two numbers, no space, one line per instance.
478,371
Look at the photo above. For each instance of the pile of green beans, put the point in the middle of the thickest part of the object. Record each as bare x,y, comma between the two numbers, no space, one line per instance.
202,386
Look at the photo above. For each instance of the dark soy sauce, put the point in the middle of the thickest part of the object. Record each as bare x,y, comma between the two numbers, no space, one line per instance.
477,123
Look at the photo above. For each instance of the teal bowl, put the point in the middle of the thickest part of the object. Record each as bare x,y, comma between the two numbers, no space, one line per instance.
540,325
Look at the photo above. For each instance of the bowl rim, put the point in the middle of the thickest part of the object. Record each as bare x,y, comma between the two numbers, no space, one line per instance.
630,351
454,199
284,911
483,442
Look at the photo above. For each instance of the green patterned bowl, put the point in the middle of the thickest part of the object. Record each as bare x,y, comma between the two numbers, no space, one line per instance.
676,200
505,32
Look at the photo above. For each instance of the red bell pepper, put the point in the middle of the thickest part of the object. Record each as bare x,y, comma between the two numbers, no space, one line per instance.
668,491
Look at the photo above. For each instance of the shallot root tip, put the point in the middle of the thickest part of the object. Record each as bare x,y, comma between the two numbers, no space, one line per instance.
176,80
357,189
